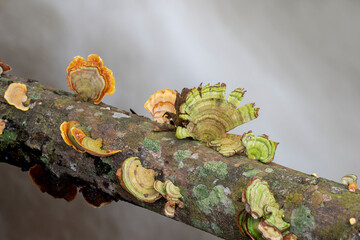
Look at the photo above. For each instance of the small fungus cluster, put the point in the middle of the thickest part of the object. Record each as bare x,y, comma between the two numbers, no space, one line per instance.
350,181
140,183
262,217
76,136
204,114
90,79
16,95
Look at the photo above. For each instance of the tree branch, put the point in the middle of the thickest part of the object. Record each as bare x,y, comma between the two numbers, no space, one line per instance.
316,207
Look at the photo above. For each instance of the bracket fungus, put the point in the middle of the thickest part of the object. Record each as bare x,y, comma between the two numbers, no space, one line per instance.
76,136
259,148
58,188
2,125
172,194
94,198
206,116
4,67
350,180
261,204
16,95
137,180
90,79
160,103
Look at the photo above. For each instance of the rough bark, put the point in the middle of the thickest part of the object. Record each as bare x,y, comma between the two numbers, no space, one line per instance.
317,208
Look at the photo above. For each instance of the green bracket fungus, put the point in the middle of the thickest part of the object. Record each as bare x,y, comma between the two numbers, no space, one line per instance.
172,194
137,180
206,116
261,204
76,136
259,148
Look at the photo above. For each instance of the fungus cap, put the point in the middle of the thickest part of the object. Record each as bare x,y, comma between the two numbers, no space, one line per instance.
207,116
2,125
347,179
16,95
4,67
90,79
169,209
95,198
58,188
89,145
69,139
137,180
269,232
259,148
159,103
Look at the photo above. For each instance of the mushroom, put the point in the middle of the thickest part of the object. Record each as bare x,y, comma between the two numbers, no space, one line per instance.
2,125
206,116
89,145
90,79
76,136
352,187
172,194
68,137
95,198
350,180
137,180
269,232
4,67
259,148
46,182
16,95
260,201
161,102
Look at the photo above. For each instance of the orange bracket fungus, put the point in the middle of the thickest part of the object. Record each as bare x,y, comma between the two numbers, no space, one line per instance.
2,125
206,116
57,188
160,103
4,67
263,218
350,180
137,180
172,194
76,136
259,148
16,95
90,79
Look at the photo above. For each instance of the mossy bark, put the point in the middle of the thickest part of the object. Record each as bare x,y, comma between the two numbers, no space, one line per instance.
317,208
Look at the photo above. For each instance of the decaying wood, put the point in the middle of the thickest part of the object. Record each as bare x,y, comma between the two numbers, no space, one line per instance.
317,208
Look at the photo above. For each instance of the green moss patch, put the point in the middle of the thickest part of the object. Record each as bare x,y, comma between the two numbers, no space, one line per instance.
302,220
152,145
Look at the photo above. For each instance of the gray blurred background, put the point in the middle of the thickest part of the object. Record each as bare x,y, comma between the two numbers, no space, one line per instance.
298,60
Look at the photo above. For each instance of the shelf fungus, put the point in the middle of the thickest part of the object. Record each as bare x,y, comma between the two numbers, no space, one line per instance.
259,148
4,67
2,125
260,203
206,116
90,79
350,180
16,95
76,136
46,182
160,103
137,180
95,198
171,193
